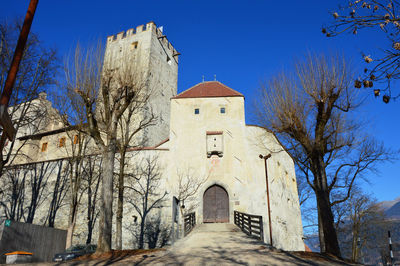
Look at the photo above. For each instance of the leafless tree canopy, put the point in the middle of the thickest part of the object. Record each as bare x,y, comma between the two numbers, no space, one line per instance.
38,67
147,193
312,110
58,192
362,226
378,15
189,183
99,96
135,120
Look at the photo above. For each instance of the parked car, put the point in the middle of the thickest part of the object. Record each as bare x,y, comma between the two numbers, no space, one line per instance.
75,252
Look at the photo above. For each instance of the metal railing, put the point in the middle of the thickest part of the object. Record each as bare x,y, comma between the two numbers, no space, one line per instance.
252,225
189,222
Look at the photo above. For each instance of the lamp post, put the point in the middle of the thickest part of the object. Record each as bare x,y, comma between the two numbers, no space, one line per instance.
265,158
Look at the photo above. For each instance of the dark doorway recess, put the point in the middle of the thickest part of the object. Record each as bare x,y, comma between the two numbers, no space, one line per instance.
215,205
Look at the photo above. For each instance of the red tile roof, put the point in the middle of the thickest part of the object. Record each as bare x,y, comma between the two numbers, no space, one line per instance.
208,89
214,133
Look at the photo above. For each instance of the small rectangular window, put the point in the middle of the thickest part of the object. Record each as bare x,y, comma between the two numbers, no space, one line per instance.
62,142
44,146
134,45
76,139
222,110
196,111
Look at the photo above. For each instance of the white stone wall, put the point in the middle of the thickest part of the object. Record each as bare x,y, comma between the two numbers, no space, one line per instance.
287,230
148,54
240,171
40,117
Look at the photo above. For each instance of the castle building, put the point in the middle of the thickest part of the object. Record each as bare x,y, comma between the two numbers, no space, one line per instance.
200,143
156,65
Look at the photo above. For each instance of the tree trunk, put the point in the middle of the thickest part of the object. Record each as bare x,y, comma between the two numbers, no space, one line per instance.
89,236
120,207
70,234
322,247
74,204
354,244
330,238
71,222
2,163
141,236
325,215
105,224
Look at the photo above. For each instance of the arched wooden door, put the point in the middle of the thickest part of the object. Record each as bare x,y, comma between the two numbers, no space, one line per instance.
215,205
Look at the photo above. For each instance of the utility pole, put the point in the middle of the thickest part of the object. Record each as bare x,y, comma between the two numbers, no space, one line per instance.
265,158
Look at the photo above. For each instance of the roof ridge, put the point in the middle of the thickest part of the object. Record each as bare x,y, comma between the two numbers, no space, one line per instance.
210,88
208,81
228,87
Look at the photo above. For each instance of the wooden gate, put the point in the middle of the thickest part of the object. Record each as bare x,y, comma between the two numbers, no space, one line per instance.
215,205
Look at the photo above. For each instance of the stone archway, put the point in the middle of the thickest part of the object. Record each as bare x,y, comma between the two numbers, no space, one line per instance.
215,205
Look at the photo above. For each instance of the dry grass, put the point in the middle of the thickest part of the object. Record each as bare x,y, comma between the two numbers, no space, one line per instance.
118,254
319,256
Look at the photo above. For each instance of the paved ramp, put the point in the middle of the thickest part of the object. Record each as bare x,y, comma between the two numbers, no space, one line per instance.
211,244
225,244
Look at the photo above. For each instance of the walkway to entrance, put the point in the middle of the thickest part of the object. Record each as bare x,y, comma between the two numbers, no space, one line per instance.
211,244
225,244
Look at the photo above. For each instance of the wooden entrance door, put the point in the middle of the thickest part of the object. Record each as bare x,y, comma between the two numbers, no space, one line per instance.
215,205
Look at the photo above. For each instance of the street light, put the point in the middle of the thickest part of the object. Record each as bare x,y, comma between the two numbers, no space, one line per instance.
265,158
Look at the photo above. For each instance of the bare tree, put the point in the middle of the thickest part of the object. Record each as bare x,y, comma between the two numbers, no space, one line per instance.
102,94
37,70
59,191
308,208
157,233
79,163
363,225
131,124
312,111
189,184
38,182
380,15
13,192
91,178
364,213
304,190
25,189
78,153
147,194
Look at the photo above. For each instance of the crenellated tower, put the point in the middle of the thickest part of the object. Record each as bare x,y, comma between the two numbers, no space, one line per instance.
147,52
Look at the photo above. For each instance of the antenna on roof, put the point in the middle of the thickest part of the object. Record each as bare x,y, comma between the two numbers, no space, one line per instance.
202,78
215,77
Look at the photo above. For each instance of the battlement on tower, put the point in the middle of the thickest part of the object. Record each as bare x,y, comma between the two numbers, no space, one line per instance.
151,26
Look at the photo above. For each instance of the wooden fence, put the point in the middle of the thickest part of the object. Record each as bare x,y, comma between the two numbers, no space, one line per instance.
42,241
189,222
250,224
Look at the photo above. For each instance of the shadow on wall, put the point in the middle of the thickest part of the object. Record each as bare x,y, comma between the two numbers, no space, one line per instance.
157,234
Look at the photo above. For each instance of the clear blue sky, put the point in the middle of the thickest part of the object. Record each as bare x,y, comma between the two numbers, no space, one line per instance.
242,42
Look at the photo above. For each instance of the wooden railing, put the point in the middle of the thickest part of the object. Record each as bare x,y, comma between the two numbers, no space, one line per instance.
250,224
189,222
